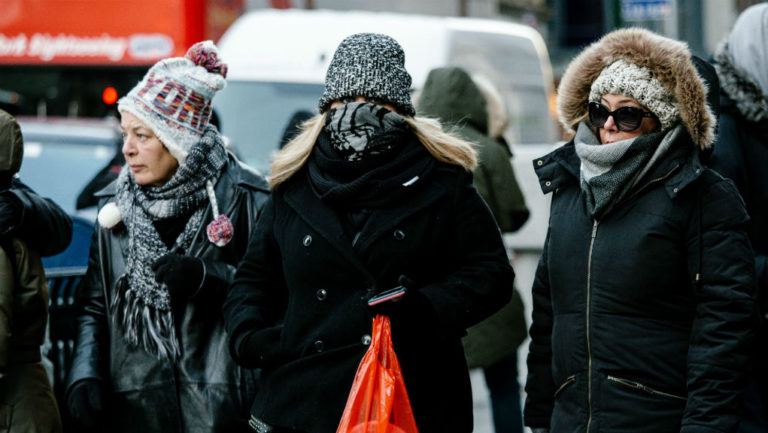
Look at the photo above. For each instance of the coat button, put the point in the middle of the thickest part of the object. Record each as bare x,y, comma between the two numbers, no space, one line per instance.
675,190
321,294
366,340
547,183
307,241
539,163
319,345
399,235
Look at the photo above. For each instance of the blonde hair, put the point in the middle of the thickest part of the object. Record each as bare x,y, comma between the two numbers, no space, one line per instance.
445,146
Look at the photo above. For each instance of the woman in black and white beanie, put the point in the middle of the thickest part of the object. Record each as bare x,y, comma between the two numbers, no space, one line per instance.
367,198
150,349
644,308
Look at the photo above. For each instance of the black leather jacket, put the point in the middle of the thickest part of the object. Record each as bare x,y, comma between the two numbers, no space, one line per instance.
204,391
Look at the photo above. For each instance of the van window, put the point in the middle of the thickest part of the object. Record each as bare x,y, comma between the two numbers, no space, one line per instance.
514,65
254,114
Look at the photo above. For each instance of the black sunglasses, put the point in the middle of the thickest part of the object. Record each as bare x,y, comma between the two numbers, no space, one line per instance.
627,119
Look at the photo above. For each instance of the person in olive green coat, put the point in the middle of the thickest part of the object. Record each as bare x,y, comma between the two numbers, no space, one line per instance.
27,403
475,109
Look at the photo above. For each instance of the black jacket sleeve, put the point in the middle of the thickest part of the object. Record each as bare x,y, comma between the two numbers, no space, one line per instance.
726,320
91,329
45,227
540,386
255,301
480,276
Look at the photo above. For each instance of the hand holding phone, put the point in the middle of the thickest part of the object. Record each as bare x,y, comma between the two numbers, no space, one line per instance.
390,295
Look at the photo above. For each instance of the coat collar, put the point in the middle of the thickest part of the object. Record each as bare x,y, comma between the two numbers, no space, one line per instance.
679,169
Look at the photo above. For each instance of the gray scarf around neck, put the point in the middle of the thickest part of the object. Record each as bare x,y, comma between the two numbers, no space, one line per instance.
610,171
352,127
142,306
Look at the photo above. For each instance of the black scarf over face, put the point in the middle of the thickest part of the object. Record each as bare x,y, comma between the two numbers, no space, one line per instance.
389,165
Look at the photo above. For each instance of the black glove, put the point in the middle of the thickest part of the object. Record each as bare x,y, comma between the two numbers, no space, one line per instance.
11,211
85,404
261,349
182,274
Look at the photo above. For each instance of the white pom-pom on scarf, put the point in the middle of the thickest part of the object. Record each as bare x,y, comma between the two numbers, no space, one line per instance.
109,216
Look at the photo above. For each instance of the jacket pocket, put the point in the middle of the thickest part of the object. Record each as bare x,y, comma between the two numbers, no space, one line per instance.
565,384
645,388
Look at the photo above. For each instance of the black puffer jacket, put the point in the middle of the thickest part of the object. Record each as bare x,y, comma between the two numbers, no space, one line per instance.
624,337
300,262
642,319
204,391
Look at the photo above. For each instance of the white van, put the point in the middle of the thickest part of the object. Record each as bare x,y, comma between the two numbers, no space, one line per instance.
277,61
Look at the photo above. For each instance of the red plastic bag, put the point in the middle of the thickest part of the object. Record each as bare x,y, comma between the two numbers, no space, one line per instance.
378,401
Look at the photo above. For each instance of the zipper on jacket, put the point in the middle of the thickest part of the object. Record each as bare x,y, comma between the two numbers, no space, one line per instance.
589,345
640,386
565,384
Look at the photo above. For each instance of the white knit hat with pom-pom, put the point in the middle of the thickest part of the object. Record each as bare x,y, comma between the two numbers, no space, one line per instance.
174,97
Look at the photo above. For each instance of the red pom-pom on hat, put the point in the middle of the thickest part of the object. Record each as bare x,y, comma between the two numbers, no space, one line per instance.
206,55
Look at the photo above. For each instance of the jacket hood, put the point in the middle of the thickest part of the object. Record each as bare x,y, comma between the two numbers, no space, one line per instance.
739,85
668,60
498,118
747,47
450,95
11,144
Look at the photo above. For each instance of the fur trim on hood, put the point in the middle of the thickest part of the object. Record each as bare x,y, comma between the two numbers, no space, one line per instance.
667,59
739,86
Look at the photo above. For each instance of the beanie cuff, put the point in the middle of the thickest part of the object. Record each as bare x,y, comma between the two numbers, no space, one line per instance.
160,127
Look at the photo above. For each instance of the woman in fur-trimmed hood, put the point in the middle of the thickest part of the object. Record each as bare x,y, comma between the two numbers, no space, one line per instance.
644,296
741,154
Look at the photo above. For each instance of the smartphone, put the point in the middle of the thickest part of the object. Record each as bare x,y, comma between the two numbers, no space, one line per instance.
387,296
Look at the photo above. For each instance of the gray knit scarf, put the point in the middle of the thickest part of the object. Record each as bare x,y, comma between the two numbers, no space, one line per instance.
142,306
351,128
610,171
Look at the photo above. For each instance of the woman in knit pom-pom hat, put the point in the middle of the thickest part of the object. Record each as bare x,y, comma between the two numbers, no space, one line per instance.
644,309
150,349
367,198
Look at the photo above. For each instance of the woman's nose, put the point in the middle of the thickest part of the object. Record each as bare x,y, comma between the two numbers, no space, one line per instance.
128,147
610,125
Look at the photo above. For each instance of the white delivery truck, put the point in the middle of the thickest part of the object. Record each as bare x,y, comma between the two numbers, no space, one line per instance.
278,58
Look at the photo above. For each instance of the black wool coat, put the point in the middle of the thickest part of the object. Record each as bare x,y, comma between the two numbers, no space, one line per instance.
304,284
642,320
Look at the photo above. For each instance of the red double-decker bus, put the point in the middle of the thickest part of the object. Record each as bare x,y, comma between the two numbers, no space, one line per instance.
76,57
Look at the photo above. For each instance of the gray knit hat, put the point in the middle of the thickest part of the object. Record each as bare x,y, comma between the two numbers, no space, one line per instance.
371,65
624,78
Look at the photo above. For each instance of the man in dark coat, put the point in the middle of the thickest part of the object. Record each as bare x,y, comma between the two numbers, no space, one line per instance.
741,154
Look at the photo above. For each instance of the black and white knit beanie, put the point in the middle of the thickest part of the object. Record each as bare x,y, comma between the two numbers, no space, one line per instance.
624,78
371,65
174,97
